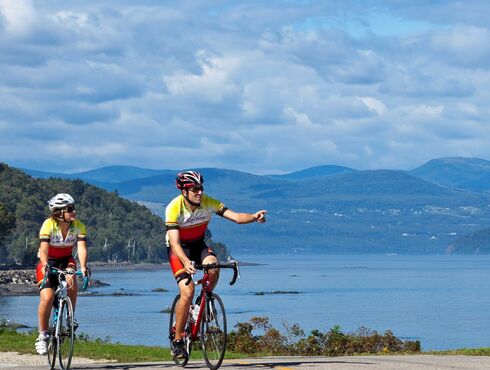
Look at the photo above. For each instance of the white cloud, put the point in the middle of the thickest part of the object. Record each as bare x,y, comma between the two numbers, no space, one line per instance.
466,45
268,86
213,84
18,17
374,104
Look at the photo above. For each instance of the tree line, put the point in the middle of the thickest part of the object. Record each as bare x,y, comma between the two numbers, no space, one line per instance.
117,229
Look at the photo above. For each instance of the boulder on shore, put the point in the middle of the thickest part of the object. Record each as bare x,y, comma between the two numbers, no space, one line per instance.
19,277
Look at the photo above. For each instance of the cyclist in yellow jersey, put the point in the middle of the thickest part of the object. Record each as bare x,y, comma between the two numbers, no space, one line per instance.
58,236
186,219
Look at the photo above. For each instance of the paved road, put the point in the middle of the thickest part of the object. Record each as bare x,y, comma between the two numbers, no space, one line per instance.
414,362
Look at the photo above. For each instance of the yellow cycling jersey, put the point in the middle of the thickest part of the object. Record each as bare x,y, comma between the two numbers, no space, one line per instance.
191,225
60,247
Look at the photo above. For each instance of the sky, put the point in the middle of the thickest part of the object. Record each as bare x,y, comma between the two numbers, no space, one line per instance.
258,86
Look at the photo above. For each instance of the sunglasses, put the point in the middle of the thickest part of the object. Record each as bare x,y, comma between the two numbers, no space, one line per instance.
196,189
69,209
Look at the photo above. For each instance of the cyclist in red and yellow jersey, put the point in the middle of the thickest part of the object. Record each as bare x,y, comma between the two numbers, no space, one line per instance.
59,234
186,218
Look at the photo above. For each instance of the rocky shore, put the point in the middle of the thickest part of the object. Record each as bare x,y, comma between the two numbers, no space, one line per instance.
23,281
18,282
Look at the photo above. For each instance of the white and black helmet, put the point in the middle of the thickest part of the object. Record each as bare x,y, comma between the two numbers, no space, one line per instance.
60,201
188,179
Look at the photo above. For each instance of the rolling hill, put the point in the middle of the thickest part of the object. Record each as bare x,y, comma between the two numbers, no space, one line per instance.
464,173
313,172
110,174
376,211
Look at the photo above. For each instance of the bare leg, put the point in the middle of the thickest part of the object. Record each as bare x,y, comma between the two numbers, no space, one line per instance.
182,308
46,296
73,290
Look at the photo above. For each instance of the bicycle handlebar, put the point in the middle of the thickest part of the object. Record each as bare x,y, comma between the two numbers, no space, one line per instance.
210,266
57,271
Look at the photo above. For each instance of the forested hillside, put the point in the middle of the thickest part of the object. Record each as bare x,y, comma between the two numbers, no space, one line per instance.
118,229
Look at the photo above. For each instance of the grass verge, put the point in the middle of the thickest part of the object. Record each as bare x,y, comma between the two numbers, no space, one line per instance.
96,349
103,349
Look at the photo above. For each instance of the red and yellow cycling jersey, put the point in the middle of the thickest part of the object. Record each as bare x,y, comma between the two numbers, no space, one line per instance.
191,225
60,247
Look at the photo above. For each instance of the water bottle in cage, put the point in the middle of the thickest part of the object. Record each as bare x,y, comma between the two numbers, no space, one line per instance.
190,317
195,312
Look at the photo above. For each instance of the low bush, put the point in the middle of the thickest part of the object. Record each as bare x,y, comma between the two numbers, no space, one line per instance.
258,337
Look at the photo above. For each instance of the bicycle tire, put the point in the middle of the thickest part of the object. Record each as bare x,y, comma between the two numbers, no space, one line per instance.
66,335
52,343
171,335
213,331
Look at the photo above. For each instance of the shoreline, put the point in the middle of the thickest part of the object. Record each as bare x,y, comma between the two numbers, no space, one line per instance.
22,281
103,266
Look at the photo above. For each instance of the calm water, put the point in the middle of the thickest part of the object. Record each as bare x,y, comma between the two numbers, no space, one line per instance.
443,301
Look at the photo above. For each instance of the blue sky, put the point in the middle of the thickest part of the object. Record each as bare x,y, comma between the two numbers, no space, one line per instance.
260,86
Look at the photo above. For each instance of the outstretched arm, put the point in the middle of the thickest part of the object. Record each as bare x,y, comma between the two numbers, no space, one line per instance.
245,218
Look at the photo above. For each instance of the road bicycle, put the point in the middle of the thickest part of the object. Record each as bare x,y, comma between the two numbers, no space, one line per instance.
61,330
207,323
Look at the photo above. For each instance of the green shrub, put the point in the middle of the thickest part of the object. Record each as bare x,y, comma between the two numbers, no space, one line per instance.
332,343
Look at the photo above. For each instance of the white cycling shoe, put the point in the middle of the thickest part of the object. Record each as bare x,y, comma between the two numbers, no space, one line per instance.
42,344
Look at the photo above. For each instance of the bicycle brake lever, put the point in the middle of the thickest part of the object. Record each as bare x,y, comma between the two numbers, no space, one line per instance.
85,283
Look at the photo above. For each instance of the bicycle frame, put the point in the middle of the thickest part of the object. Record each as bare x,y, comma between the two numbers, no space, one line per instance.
207,323
61,291
206,288
59,334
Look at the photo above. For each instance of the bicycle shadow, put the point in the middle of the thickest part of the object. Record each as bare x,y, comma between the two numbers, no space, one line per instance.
142,365
231,364
119,366
291,363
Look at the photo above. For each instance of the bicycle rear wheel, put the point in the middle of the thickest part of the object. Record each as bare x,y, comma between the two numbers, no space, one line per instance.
213,331
66,335
171,335
52,344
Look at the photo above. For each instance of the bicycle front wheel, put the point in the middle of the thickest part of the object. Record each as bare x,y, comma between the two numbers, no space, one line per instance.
66,334
213,331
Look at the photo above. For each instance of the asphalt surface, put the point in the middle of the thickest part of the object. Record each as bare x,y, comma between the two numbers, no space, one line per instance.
412,362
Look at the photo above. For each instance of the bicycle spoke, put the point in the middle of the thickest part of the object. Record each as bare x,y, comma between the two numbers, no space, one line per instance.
213,331
65,340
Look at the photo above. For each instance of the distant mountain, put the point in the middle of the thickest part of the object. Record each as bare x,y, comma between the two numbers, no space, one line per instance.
46,175
313,172
110,174
464,173
376,211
